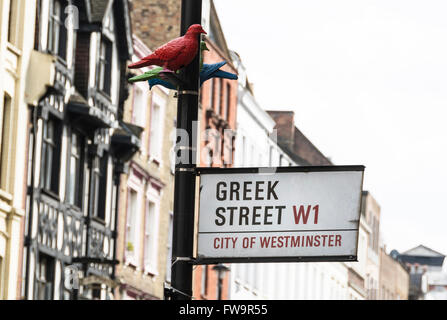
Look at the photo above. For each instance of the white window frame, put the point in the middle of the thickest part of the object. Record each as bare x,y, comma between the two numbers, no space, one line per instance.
151,262
134,184
139,115
158,154
139,111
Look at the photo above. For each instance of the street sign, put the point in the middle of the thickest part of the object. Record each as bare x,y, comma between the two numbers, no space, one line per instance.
279,214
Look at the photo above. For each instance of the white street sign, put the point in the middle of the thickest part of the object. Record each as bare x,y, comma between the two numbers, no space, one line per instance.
295,214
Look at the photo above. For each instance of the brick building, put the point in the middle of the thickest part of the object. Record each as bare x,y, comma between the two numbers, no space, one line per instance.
300,149
217,123
156,22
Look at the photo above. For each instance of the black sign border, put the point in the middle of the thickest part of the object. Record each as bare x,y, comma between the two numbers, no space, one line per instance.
273,170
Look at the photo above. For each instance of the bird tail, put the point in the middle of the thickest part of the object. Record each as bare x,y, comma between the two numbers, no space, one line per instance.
142,63
225,75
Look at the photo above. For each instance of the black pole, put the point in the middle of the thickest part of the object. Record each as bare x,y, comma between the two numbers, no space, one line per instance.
219,286
185,179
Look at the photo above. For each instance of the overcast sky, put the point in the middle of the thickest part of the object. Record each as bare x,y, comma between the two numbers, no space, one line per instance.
367,80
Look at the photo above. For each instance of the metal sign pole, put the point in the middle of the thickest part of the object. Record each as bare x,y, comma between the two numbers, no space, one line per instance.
185,178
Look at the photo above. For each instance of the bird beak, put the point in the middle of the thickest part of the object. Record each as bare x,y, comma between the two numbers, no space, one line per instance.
203,31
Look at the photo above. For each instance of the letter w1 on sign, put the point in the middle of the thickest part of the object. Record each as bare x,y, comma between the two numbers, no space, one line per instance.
305,215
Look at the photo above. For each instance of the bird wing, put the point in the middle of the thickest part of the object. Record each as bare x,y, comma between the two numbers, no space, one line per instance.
171,50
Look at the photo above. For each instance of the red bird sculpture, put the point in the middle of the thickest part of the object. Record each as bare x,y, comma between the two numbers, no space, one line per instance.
175,54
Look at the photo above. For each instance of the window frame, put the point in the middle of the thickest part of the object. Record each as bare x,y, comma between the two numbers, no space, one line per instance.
47,282
228,102
51,172
169,246
99,186
150,263
156,129
5,117
13,22
134,184
57,43
218,105
78,188
105,65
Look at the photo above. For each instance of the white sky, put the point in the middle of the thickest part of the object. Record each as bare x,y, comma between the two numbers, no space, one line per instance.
367,80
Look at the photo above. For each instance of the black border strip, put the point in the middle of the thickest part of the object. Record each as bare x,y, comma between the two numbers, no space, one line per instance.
217,260
272,170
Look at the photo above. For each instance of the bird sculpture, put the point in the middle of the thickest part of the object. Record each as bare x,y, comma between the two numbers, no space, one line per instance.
170,80
175,54
209,71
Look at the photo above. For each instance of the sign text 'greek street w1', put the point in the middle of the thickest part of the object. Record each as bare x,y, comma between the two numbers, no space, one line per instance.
293,214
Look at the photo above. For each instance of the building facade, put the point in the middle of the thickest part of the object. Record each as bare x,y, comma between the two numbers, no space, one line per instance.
271,139
217,133
16,45
357,270
146,207
78,145
394,282
255,147
428,272
371,211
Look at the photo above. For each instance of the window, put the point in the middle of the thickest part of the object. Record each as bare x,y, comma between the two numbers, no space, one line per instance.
49,177
132,228
13,22
228,102
243,151
45,278
1,278
100,171
218,94
96,292
155,132
57,32
150,238
256,274
270,156
75,174
212,93
169,256
4,139
204,283
139,107
105,66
